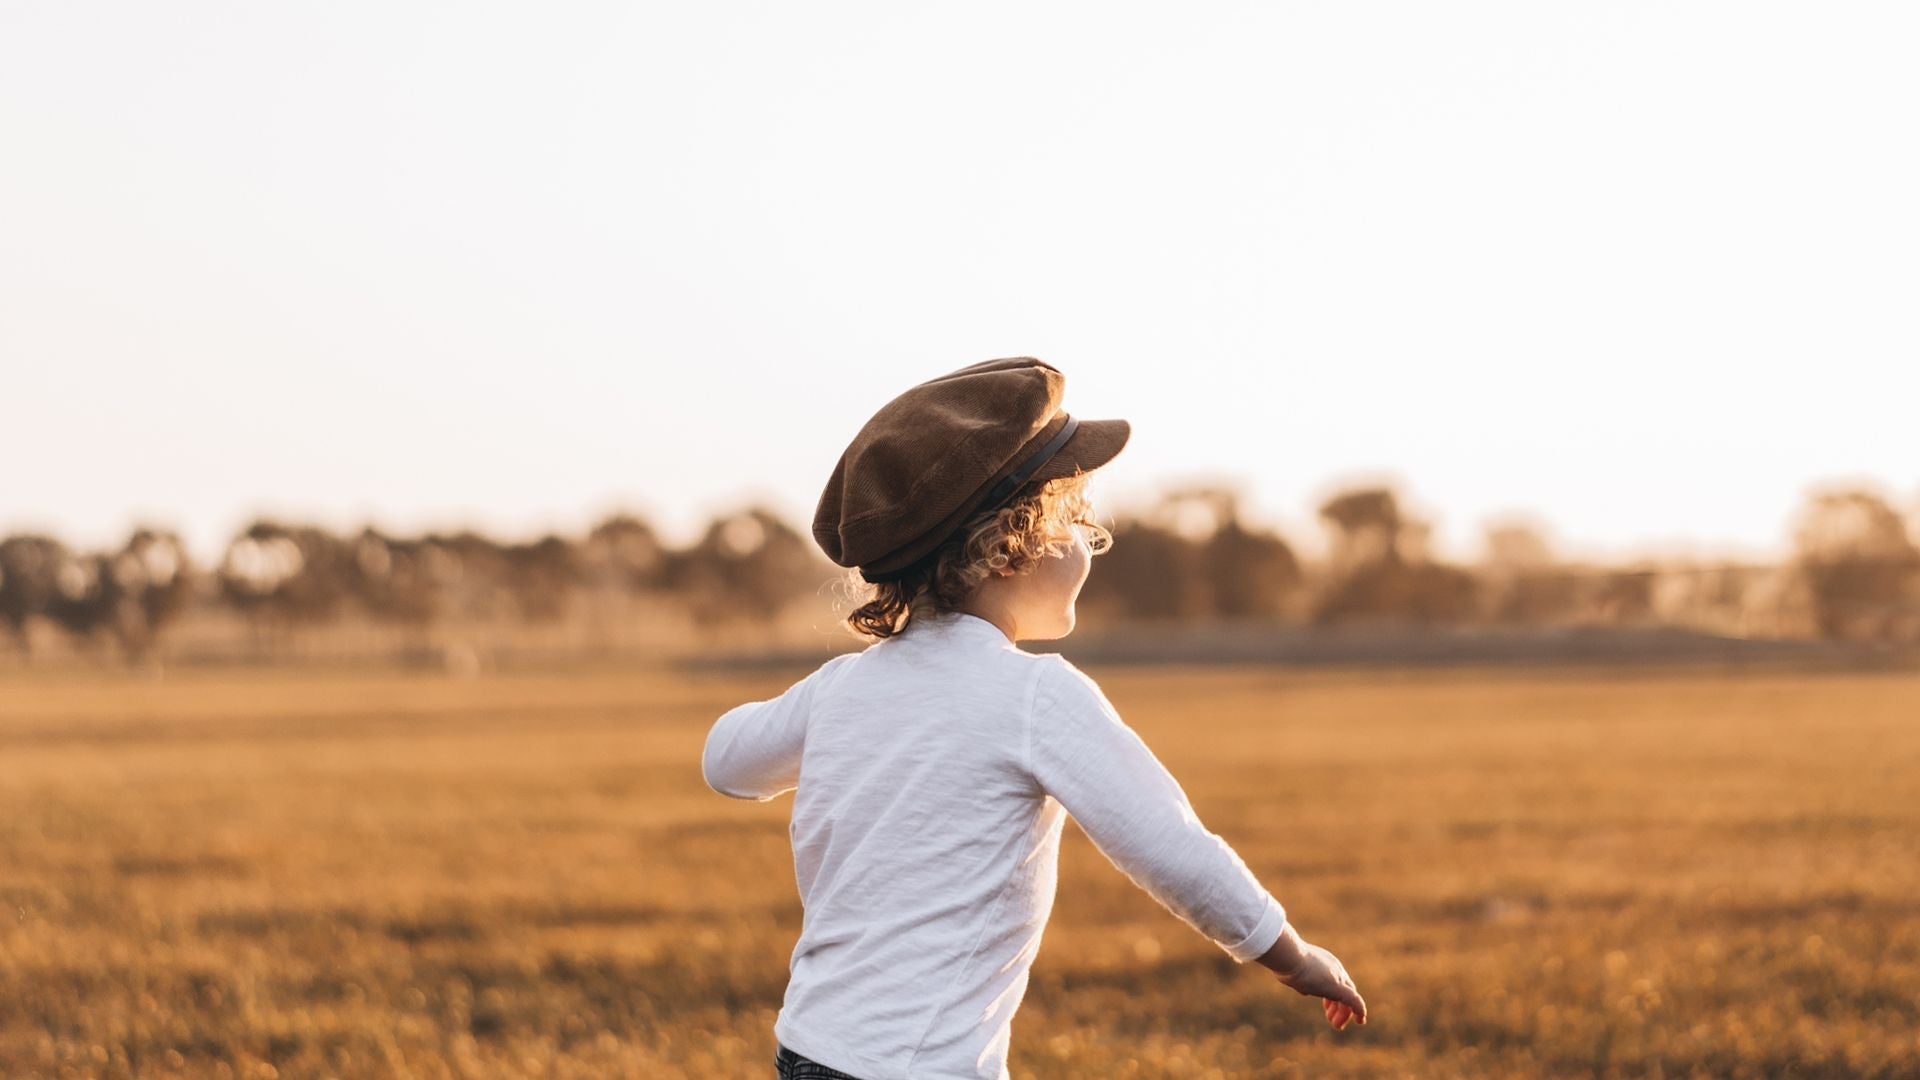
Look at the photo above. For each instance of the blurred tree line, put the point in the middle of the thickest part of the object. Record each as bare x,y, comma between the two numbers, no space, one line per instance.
1854,575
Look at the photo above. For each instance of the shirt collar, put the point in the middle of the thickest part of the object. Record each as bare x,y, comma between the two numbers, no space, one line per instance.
964,625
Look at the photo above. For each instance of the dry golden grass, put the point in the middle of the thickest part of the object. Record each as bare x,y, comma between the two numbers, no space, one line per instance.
1528,874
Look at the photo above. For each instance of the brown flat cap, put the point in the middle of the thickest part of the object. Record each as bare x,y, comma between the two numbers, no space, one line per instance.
946,450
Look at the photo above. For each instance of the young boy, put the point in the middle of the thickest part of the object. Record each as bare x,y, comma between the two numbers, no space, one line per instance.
934,770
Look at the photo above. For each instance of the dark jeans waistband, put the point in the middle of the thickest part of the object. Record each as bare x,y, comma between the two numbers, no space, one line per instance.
791,1066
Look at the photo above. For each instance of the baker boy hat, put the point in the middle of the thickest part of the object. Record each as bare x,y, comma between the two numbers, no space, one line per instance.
945,450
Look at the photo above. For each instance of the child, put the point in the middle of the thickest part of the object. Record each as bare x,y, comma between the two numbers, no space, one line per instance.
933,771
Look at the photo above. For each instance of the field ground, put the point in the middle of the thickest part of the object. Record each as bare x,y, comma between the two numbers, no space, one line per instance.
1529,873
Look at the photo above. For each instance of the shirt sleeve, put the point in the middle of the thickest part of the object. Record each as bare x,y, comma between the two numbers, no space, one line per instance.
1083,754
753,751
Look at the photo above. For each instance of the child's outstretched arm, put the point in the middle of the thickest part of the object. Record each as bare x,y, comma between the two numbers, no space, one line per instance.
1135,812
753,751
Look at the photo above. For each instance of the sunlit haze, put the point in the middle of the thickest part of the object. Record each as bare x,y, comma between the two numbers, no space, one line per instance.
1642,272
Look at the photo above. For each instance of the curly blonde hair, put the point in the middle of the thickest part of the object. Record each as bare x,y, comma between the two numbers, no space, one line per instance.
1036,523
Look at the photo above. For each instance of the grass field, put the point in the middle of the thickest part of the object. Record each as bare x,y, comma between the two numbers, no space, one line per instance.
1529,874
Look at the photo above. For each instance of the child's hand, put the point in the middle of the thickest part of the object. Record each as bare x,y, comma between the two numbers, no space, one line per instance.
1315,972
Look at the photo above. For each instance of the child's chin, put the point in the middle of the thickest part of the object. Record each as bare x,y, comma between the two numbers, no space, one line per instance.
1061,628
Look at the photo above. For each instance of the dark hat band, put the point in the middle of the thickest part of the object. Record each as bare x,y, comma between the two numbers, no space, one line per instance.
1001,492
1005,488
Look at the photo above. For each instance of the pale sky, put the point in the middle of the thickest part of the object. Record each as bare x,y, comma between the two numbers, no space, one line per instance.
1642,271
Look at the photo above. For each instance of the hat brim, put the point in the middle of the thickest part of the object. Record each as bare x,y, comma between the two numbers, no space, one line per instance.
1094,443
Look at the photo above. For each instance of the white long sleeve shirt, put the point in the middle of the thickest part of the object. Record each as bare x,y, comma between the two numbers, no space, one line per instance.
933,772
